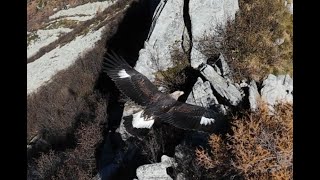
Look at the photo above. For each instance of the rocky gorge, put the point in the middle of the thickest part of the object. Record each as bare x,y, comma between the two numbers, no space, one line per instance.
149,35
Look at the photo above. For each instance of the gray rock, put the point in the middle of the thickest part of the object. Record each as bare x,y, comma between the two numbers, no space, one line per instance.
205,17
146,63
243,84
156,170
225,69
167,33
217,69
277,89
290,8
279,41
202,94
225,88
222,68
128,110
254,96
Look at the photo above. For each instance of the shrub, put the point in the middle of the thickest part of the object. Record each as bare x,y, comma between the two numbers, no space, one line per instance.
45,166
80,162
260,147
248,40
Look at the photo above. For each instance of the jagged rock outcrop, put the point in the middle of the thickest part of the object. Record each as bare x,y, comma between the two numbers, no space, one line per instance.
202,94
222,86
205,17
156,170
224,67
277,89
168,32
166,35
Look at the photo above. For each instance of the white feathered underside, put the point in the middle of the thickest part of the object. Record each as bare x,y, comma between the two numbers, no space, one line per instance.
139,121
206,121
123,74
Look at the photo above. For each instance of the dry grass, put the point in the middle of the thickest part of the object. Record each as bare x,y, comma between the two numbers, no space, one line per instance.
38,11
109,18
64,23
248,41
260,148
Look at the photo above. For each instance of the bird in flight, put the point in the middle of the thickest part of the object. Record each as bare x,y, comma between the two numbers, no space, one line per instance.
158,106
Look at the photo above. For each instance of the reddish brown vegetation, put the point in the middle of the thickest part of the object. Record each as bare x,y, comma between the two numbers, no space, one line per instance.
260,148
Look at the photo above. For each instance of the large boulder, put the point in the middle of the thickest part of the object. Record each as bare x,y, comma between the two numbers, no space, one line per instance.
156,170
205,17
166,35
222,86
277,89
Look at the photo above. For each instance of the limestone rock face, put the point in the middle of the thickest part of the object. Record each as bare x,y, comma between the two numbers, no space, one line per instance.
205,17
166,35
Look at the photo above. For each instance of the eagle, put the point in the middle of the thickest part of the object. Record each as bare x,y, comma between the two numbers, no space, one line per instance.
156,105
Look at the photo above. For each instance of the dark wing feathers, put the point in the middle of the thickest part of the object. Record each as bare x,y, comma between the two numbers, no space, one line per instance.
139,89
187,116
133,84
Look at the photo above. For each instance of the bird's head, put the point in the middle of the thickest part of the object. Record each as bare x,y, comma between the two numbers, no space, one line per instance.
176,94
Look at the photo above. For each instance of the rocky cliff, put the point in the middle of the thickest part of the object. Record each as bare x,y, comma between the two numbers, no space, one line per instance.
177,26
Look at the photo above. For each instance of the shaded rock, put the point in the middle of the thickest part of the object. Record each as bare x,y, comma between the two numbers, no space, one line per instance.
128,110
224,67
181,176
156,170
254,95
205,17
202,94
37,143
222,86
221,66
166,34
276,89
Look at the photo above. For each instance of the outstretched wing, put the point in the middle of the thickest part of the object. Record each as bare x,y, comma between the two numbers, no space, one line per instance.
130,82
192,117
